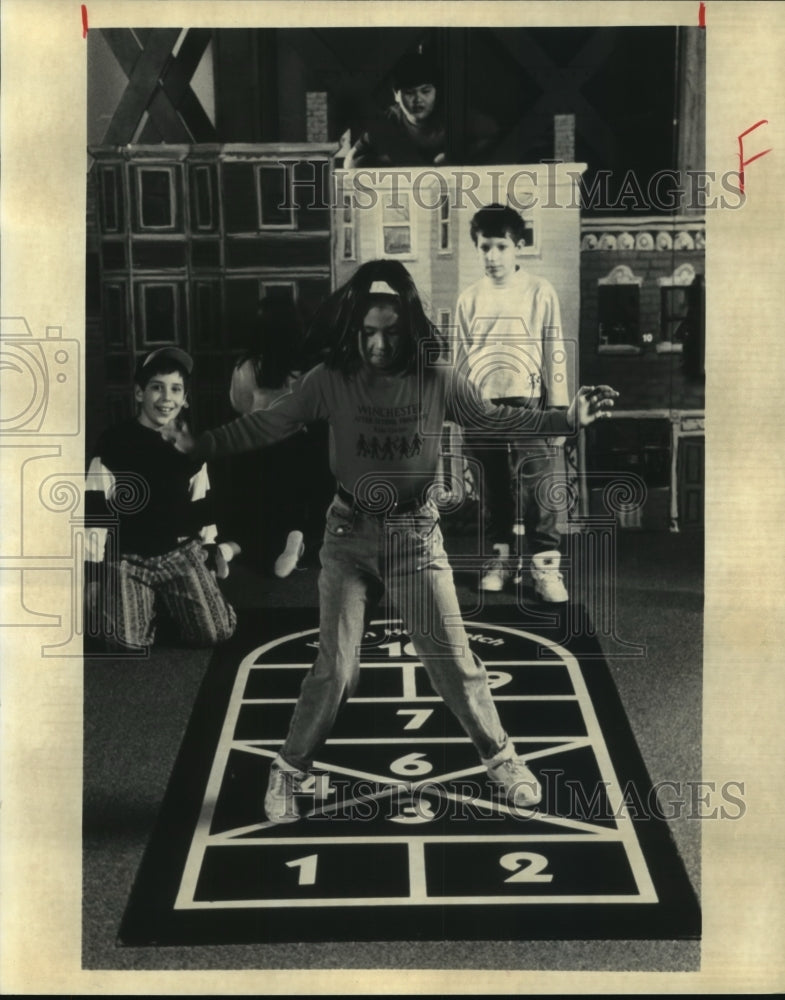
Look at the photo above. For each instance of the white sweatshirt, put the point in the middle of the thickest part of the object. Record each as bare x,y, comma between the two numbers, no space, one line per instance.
511,339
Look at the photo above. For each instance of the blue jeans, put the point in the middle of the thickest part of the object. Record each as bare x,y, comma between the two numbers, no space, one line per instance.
363,555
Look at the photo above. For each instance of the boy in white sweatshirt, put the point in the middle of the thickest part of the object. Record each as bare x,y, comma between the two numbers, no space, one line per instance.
510,344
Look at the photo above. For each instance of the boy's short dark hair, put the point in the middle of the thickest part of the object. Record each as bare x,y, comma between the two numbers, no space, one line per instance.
413,70
498,221
164,361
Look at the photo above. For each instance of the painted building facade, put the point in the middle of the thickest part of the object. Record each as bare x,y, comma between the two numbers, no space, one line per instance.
197,134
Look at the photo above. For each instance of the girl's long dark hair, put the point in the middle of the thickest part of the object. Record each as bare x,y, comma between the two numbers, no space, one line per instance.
334,333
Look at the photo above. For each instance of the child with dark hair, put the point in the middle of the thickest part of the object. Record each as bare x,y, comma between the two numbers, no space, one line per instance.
510,343
150,521
273,359
498,221
275,498
382,527
412,131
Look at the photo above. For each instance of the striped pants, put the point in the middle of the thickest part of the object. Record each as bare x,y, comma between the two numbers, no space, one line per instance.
180,583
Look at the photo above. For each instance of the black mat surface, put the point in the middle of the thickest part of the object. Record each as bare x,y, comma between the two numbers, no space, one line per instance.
413,843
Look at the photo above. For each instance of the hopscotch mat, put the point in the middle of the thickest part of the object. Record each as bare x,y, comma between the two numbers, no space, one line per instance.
412,842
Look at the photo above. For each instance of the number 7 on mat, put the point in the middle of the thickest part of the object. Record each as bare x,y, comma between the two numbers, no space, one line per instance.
419,716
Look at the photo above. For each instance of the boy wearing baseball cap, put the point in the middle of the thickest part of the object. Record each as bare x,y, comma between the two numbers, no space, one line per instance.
150,523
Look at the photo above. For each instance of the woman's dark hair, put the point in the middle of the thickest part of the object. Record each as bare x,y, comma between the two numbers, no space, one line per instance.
413,70
275,350
334,333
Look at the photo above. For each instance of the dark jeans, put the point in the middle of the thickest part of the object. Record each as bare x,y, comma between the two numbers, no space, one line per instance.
513,486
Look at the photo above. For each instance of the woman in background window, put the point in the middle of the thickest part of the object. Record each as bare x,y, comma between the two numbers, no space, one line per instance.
412,131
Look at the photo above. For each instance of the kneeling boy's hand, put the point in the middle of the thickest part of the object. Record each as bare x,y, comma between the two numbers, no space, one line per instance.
591,403
180,437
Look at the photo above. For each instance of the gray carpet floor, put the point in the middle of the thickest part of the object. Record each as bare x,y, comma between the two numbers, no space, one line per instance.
136,713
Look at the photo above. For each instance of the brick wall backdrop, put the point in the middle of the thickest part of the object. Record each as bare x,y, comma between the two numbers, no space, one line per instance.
647,380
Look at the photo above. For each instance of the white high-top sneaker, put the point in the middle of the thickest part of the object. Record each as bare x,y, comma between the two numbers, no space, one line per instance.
224,553
496,572
548,581
284,783
508,770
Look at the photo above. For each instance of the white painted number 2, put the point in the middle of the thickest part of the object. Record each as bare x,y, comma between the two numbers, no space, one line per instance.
307,868
419,716
526,866
411,765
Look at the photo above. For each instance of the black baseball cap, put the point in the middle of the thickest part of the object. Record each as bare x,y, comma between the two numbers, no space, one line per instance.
176,354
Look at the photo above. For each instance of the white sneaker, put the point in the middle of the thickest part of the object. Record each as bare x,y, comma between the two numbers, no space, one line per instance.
508,770
548,581
285,782
224,553
291,555
496,572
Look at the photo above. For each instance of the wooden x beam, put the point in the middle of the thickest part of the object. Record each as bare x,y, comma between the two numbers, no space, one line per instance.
561,85
159,83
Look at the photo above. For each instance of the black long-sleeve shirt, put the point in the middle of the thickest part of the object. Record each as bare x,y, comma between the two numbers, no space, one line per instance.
155,496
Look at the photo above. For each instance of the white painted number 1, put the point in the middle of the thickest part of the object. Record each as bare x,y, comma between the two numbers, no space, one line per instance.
526,866
419,716
307,868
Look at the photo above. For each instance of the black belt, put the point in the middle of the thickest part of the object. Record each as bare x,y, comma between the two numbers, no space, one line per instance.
407,507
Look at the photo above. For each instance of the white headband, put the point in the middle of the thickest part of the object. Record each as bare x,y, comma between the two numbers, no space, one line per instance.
381,288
